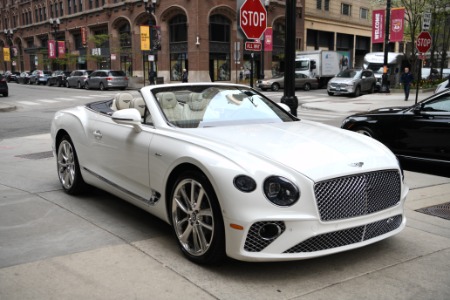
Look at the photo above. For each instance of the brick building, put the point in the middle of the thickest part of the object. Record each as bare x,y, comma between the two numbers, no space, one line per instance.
198,35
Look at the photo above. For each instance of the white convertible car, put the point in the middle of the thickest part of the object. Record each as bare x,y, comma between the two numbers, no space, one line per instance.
232,172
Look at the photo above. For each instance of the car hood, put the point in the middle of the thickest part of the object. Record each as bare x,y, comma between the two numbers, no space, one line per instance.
315,150
342,80
386,111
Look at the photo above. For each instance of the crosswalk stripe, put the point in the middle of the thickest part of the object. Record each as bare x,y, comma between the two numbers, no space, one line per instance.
64,99
27,102
47,101
82,97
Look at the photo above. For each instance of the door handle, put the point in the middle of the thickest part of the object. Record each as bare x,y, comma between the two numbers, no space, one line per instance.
97,134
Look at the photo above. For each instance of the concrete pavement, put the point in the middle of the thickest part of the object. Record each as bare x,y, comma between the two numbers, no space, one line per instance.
55,246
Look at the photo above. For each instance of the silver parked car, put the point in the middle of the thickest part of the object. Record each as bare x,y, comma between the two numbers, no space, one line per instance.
352,82
301,82
106,79
77,78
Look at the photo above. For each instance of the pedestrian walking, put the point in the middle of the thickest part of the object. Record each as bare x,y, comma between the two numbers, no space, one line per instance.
406,79
184,76
151,77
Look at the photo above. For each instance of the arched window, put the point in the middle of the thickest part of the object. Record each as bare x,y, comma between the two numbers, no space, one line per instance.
219,46
126,49
178,46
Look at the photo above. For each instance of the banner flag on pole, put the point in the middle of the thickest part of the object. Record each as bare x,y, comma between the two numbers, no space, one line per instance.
378,23
397,24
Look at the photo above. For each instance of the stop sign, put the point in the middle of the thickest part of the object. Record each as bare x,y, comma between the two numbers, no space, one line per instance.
253,19
423,43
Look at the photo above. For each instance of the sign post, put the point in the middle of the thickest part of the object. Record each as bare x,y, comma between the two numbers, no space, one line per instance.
423,44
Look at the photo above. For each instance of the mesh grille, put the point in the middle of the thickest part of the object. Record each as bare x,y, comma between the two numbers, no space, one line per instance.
358,195
254,242
348,236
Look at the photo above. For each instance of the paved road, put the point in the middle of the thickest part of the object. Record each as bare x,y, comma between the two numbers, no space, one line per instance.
55,246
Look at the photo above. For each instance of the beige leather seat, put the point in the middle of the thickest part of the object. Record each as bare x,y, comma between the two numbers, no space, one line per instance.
122,101
172,109
195,107
139,104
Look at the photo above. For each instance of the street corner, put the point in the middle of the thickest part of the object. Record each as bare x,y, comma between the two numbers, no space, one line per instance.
7,107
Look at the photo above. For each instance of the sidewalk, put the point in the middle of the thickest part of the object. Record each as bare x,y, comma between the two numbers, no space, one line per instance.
365,102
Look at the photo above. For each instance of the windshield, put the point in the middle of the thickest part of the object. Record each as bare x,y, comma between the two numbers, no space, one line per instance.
208,106
348,73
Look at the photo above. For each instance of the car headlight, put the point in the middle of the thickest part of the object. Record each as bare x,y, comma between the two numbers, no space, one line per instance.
244,183
281,191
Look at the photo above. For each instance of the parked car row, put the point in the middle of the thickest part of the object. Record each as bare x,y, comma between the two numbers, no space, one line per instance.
88,79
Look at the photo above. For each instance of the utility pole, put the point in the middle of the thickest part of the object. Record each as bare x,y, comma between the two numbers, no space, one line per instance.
384,81
289,97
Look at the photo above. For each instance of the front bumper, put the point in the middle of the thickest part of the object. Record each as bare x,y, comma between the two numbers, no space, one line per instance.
340,88
342,214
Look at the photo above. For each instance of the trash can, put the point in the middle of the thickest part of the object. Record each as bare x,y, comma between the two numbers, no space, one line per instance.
159,80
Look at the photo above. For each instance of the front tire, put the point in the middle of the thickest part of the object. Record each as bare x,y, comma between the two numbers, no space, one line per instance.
86,86
365,131
101,87
68,167
357,92
196,219
79,86
275,87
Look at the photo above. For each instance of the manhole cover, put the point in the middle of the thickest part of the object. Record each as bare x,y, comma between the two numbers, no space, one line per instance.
37,155
440,210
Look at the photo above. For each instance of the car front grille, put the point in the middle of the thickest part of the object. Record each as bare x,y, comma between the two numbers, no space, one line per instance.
347,236
254,242
357,195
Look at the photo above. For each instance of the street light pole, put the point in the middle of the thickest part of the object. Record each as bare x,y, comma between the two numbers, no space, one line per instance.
54,23
150,8
384,78
9,39
262,75
289,97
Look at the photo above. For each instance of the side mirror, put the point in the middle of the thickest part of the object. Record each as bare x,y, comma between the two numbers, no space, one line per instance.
128,116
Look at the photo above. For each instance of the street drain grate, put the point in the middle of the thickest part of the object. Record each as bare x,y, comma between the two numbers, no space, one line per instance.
37,155
440,210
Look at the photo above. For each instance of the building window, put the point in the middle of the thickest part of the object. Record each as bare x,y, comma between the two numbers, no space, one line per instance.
364,13
80,7
61,9
319,4
69,6
178,46
346,9
327,5
219,56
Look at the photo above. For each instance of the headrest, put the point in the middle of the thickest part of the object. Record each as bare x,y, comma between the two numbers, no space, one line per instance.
139,104
123,100
168,100
196,101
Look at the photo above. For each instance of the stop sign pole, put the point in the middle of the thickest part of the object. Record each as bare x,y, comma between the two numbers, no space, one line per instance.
423,44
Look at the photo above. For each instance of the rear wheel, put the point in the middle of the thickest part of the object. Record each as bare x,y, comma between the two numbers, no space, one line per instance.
86,86
79,85
372,89
102,87
67,84
68,167
196,219
307,87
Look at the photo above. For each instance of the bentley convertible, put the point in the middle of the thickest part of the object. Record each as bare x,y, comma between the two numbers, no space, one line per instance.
232,172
